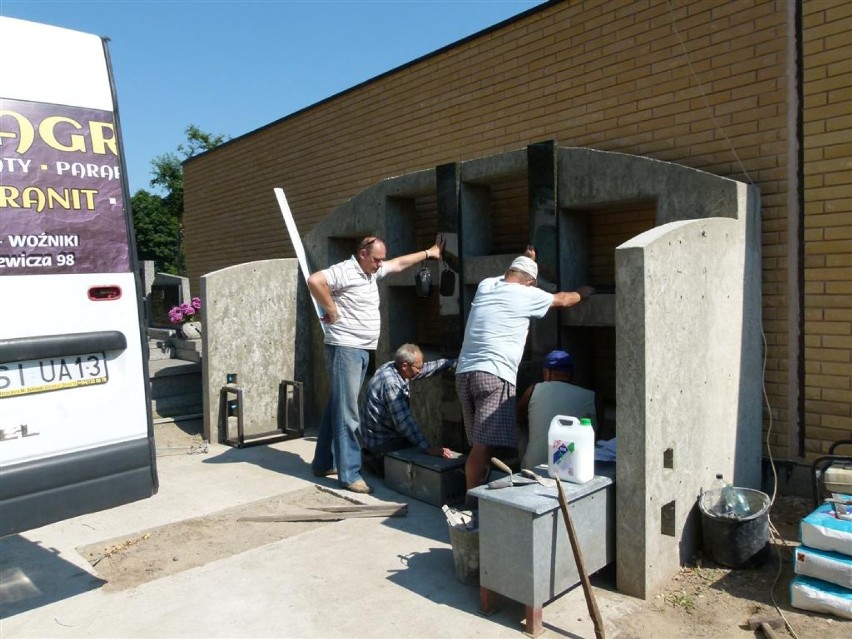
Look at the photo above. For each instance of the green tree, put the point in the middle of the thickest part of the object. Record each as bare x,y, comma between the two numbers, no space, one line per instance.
157,231
158,219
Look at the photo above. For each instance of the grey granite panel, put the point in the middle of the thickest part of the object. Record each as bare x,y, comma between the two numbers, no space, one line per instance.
250,330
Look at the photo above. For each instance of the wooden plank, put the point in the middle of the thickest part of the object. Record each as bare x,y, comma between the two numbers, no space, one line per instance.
298,247
333,513
393,508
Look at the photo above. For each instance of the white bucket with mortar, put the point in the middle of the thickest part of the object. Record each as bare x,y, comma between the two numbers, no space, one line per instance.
465,554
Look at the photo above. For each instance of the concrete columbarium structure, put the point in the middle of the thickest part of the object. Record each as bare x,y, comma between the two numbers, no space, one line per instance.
680,322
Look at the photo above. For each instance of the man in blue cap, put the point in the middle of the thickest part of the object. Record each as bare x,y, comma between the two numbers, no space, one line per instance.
541,402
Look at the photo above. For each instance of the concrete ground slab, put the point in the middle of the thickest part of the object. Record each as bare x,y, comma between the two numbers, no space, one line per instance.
354,578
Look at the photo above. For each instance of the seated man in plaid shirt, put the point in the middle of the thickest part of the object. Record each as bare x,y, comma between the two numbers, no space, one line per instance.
386,420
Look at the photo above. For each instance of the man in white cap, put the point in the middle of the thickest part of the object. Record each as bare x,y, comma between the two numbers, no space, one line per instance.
494,340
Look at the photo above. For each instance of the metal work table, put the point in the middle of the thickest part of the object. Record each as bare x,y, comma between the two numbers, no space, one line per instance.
524,550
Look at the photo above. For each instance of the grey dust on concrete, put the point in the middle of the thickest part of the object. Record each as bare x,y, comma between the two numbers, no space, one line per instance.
363,577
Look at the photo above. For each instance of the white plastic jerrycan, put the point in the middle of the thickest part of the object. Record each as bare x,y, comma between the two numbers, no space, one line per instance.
571,449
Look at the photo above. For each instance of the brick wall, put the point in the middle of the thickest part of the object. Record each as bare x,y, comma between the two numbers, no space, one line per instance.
699,82
828,223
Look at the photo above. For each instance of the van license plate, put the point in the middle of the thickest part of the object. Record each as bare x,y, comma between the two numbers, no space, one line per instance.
54,373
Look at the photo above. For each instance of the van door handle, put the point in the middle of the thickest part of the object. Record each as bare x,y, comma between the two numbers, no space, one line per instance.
104,293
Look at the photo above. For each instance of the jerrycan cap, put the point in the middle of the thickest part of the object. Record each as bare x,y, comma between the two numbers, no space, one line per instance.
585,421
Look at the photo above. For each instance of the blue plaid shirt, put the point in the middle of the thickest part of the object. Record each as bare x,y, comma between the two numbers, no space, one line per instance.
386,412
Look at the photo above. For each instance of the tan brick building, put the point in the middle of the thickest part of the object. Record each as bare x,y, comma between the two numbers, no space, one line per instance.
755,90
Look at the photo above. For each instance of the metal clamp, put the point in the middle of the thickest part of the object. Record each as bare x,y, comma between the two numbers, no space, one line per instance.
227,408
235,407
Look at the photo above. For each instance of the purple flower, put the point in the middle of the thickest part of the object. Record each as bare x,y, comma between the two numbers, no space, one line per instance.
185,312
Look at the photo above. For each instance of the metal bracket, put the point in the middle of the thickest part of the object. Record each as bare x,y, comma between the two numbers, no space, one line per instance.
234,407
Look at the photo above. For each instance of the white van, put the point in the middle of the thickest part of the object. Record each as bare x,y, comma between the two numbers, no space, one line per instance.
76,433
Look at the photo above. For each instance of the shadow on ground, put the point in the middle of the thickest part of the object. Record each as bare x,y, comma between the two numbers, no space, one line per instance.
32,576
431,575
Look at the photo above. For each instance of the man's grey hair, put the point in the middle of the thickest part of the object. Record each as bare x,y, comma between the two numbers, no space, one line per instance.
406,354
524,277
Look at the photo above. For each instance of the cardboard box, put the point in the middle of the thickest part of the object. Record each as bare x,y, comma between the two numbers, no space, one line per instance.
435,480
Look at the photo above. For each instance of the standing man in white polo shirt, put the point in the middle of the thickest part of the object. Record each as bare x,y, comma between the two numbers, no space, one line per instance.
494,339
349,295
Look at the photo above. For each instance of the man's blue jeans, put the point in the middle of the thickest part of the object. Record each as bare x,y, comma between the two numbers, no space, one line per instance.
337,443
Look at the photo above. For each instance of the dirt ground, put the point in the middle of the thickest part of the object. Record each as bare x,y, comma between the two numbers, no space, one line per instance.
703,600
128,561
707,600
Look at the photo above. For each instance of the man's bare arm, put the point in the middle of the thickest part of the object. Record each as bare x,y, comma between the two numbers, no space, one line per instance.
318,286
402,262
570,298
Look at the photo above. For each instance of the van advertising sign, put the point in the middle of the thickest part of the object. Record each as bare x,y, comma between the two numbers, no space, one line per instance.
61,198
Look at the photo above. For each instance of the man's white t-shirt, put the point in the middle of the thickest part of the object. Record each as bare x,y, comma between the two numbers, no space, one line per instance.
497,326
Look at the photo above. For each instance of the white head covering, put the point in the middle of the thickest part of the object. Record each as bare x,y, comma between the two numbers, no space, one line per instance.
525,265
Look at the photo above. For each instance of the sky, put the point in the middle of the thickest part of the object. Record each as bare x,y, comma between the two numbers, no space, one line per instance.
232,66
